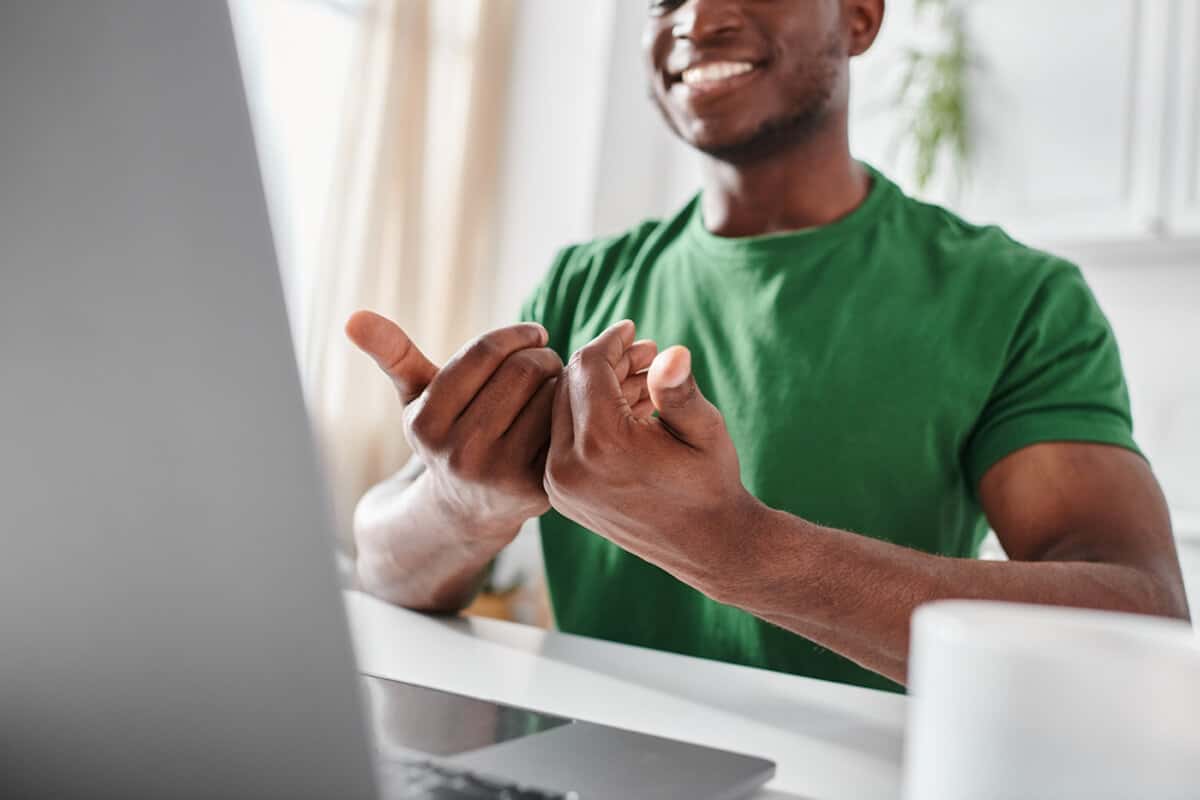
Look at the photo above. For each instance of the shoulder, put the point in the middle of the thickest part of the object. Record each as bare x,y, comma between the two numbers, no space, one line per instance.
989,263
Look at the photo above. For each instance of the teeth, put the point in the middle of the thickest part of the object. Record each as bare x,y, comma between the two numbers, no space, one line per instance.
718,71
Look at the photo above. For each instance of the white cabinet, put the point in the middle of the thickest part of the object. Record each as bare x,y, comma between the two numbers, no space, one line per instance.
1084,117
1067,105
1183,168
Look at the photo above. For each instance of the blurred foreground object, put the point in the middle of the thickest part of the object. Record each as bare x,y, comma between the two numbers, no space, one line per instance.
1011,700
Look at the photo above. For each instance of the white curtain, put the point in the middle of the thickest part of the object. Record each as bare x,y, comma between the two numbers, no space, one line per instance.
411,221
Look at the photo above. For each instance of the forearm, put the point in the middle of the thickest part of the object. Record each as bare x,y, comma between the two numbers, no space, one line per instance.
855,595
413,552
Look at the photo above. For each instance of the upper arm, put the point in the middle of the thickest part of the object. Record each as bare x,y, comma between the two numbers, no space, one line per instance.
1075,501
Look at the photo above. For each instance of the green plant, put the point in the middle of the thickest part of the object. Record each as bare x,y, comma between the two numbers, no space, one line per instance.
933,94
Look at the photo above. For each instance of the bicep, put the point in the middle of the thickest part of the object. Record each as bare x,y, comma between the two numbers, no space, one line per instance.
1073,501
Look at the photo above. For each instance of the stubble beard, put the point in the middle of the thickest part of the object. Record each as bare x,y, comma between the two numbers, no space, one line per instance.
807,115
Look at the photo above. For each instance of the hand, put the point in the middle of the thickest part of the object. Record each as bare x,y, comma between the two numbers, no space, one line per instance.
669,488
481,423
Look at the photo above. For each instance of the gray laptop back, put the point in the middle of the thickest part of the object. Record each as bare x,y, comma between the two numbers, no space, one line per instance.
169,620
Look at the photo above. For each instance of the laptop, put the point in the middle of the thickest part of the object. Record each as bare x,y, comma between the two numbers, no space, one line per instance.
170,622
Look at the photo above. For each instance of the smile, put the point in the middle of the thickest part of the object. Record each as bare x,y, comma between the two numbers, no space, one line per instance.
712,73
715,76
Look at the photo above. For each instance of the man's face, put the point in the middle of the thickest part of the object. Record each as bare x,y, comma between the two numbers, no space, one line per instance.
739,79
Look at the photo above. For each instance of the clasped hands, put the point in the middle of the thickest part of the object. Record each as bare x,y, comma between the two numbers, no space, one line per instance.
506,431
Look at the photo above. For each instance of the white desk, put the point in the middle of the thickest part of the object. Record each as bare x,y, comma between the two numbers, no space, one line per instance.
829,740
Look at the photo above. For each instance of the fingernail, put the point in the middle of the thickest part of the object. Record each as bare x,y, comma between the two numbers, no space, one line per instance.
672,367
682,364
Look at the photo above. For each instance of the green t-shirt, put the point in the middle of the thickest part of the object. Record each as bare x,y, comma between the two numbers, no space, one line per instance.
869,371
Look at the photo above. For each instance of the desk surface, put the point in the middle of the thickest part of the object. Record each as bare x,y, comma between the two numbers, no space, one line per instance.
829,740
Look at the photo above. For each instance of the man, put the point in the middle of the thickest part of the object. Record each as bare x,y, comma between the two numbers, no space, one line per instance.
865,382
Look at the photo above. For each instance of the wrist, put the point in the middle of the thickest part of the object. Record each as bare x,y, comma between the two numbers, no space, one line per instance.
470,526
767,545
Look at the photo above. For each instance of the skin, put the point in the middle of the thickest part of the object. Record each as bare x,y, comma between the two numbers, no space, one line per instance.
481,426
1084,524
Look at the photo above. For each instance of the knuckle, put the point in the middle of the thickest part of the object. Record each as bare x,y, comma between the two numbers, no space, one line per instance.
716,420
552,486
421,425
557,466
683,397
590,355
525,368
396,355
547,361
484,348
591,446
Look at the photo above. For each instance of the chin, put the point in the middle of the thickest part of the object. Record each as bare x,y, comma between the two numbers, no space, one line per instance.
716,138
763,140
746,147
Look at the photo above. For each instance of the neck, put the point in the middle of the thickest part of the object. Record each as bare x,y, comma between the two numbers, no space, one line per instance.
812,183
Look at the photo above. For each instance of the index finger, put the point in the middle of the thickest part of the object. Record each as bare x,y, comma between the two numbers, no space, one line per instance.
395,353
457,383
596,394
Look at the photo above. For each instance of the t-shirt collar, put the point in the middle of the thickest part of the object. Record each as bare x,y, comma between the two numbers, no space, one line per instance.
768,247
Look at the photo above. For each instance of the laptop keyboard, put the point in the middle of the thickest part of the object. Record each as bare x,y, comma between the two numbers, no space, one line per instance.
423,780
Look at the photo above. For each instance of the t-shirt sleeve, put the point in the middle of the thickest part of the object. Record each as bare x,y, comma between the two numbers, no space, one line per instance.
1062,379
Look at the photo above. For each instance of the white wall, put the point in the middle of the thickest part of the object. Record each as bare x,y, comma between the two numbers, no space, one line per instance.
586,153
550,157
1155,311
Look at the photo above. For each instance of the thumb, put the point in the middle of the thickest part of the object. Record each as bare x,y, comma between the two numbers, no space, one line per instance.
384,341
680,404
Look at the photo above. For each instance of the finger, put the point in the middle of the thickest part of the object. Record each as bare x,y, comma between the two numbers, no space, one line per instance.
530,431
457,383
637,394
642,408
680,404
634,389
641,354
508,390
637,358
384,341
596,397
562,424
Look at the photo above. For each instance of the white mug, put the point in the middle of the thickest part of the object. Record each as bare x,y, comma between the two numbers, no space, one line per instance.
1021,701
